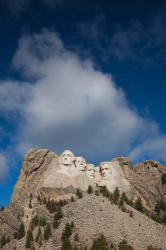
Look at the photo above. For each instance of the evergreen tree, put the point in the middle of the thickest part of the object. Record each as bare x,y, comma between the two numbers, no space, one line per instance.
44,201
75,248
100,243
51,206
79,193
67,232
47,232
3,241
66,244
38,235
157,208
76,237
29,239
163,178
105,192
72,199
121,202
153,248
34,222
162,205
21,232
15,235
90,190
125,246
42,222
96,192
125,198
39,199
116,195
55,223
138,205
164,218
59,213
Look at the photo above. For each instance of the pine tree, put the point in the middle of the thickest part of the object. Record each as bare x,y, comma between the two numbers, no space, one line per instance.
79,193
67,232
3,241
105,192
125,246
72,199
38,235
59,213
76,237
125,198
90,190
138,205
116,195
121,202
42,222
47,232
55,223
39,199
34,222
75,248
29,239
21,232
100,243
163,178
66,244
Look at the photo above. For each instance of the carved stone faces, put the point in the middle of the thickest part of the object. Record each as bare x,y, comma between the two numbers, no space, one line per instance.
80,163
105,170
90,172
67,158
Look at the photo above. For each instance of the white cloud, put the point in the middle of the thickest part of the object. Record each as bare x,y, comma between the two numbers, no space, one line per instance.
13,97
71,104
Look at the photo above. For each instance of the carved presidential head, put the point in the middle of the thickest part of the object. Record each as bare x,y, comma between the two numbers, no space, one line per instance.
80,163
67,158
105,170
90,171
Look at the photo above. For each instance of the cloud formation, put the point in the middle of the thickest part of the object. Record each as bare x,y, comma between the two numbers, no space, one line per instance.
66,102
17,6
143,44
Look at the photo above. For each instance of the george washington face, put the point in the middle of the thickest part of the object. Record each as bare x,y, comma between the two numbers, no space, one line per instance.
67,158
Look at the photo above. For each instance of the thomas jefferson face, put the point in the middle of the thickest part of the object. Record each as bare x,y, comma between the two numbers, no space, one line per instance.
90,172
80,163
105,170
67,158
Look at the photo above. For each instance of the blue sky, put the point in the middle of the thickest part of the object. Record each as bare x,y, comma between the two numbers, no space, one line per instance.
85,75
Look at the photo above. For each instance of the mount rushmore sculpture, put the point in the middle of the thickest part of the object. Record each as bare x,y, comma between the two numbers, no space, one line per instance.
45,172
74,171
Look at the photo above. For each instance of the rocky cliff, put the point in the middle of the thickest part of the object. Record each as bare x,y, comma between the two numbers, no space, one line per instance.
116,191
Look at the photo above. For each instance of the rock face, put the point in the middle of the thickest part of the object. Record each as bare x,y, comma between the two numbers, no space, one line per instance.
46,175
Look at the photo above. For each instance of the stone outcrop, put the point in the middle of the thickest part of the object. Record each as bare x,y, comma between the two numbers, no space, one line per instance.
46,175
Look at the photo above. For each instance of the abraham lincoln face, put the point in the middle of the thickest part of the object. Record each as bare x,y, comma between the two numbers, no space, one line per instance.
105,170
